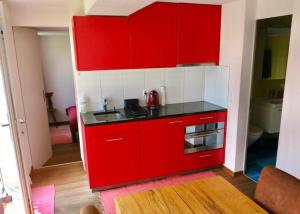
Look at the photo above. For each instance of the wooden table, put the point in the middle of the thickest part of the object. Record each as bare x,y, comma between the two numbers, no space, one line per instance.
211,195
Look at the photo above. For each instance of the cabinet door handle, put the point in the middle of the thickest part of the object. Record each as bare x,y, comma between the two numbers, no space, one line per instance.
205,156
205,118
114,139
177,121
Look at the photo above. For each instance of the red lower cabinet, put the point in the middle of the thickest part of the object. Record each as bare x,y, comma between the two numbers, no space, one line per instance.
153,148
113,159
175,144
203,160
127,152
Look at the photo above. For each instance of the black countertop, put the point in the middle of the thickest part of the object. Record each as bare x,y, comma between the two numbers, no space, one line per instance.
170,110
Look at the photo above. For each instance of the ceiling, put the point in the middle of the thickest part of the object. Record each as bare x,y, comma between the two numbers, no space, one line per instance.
109,7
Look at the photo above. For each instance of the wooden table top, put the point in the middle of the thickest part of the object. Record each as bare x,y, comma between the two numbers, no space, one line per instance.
211,195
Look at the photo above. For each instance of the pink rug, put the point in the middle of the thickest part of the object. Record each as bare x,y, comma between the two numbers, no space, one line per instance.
107,197
43,199
60,134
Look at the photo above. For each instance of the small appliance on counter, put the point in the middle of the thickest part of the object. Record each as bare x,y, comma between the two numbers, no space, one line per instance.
133,108
153,99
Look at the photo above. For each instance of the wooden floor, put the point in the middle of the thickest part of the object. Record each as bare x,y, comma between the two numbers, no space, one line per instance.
72,190
64,153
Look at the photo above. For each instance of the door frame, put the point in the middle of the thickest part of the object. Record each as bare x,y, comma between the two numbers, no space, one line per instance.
251,87
14,131
13,98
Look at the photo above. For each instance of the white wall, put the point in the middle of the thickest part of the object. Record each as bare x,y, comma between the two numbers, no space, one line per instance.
58,72
231,54
288,158
182,85
273,8
38,15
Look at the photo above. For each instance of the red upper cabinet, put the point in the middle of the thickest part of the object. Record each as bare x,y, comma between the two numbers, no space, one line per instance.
101,42
153,31
198,33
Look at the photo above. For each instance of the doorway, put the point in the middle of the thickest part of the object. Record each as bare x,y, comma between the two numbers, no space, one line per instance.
268,82
46,76
60,95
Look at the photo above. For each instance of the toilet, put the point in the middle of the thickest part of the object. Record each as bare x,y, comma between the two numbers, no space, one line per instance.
254,133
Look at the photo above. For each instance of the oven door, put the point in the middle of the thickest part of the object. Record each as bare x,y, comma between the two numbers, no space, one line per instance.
203,137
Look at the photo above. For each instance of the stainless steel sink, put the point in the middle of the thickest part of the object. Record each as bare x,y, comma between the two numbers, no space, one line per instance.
108,115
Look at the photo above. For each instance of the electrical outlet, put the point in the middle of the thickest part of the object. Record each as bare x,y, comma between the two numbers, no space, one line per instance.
145,92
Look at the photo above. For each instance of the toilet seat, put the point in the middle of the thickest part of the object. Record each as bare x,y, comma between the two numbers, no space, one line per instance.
254,130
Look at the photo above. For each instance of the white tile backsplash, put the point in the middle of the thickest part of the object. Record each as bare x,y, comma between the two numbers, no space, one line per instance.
154,78
194,83
174,83
183,84
216,85
134,84
88,84
112,88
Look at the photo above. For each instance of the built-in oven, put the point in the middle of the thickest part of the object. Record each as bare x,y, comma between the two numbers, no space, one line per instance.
204,137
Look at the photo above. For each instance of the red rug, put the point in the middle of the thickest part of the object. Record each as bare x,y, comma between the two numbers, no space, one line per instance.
107,197
43,199
60,135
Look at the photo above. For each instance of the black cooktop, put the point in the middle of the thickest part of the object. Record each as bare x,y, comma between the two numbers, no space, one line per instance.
133,109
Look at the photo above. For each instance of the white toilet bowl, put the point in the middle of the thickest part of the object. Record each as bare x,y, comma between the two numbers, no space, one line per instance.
254,133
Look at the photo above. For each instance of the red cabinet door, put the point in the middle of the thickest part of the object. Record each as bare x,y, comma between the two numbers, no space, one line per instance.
101,42
175,144
113,159
153,148
198,33
202,160
154,36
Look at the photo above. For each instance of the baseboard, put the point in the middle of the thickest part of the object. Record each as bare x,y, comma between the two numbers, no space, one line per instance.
58,166
231,173
59,123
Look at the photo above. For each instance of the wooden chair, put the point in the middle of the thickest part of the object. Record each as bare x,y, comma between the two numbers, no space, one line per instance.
278,192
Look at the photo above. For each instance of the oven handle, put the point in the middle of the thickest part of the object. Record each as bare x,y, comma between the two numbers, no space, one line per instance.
194,135
205,156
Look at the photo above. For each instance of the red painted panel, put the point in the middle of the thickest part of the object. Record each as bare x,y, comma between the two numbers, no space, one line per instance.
153,148
101,42
205,118
107,130
175,141
203,160
198,33
154,36
114,160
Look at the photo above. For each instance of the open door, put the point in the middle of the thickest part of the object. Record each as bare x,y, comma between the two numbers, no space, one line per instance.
31,77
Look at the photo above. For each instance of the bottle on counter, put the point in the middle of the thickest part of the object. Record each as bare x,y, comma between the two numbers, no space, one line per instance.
83,104
163,95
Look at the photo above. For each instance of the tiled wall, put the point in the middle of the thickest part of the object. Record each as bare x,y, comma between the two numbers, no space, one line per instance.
184,84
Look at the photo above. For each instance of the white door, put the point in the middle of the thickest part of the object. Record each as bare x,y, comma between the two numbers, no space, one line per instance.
29,62
13,176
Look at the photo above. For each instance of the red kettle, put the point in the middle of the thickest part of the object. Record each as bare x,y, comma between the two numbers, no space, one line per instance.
153,99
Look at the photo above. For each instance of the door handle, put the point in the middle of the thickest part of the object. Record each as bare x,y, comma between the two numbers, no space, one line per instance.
20,120
205,156
205,118
4,124
173,122
114,140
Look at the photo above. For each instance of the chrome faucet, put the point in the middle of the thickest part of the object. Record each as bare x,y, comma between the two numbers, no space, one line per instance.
105,103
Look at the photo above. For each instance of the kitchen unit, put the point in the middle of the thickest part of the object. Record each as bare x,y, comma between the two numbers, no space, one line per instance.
128,149
157,36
